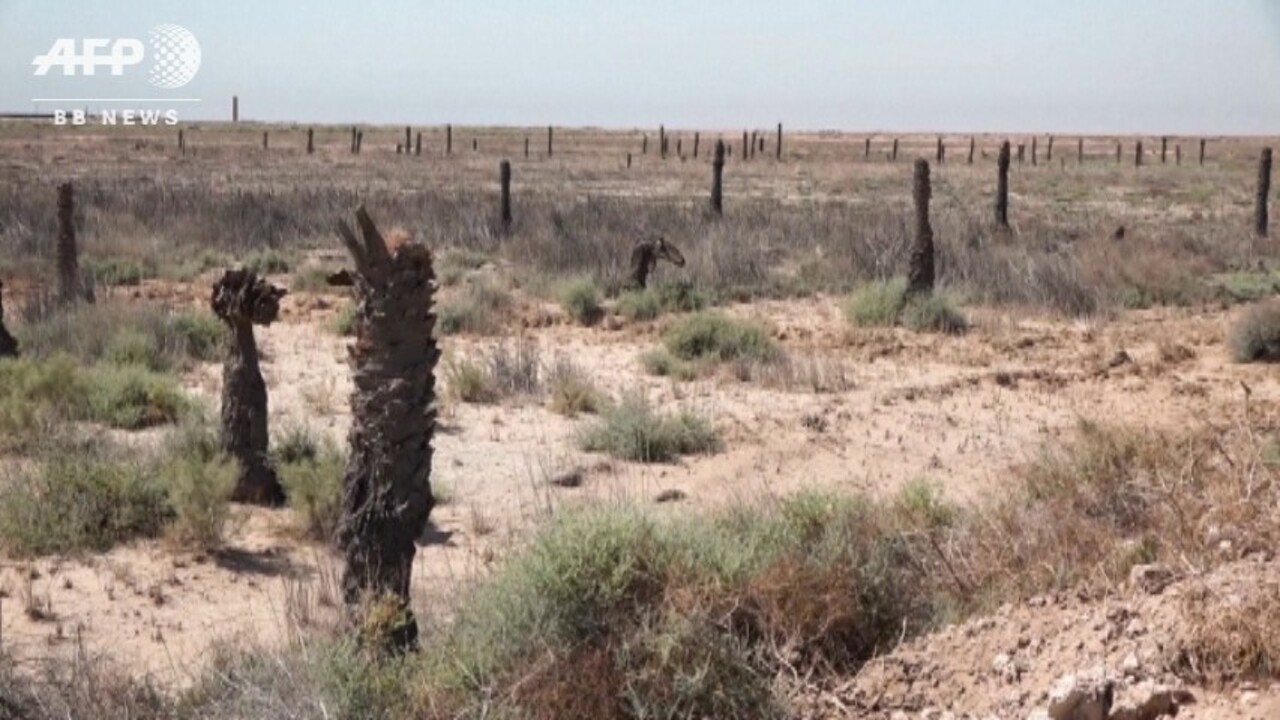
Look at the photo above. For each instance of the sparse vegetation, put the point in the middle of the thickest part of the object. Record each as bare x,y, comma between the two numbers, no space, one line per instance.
572,392
712,337
510,370
480,308
1255,335
633,430
311,472
671,297
886,304
581,300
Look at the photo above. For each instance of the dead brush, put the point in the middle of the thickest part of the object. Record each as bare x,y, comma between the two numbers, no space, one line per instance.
1113,498
1229,638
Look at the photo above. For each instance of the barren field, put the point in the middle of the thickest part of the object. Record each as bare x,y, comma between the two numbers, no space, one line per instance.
1066,326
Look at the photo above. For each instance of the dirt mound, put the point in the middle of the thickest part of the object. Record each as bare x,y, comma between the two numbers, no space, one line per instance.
1200,640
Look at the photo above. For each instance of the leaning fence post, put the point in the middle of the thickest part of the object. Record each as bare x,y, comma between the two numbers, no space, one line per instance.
717,173
71,285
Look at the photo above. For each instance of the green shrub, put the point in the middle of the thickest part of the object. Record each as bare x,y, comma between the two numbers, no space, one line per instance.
632,430
639,305
80,497
709,336
667,297
468,382
877,304
35,392
581,300
933,313
479,308
344,323
131,397
455,263
886,304
199,493
311,472
571,390
313,278
660,362
118,271
267,261
132,347
1255,335
200,333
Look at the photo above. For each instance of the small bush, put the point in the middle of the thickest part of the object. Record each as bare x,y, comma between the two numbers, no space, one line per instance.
344,322
667,297
933,313
660,362
709,336
632,430
313,278
199,492
132,347
581,300
480,308
131,397
1255,336
571,390
201,335
877,304
80,497
468,382
268,261
455,263
311,473
118,271
885,304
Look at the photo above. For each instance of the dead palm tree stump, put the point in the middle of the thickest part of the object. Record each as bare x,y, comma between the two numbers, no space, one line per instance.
71,285
387,484
8,343
1264,191
1002,188
717,176
241,300
920,271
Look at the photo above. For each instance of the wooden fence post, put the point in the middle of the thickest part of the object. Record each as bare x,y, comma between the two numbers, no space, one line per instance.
1260,220
717,178
1002,187
504,176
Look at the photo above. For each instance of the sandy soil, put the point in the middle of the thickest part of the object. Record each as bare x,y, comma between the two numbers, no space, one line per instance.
959,411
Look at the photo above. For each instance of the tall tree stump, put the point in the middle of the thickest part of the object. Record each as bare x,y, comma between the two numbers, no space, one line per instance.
1264,191
1002,187
8,343
387,484
920,271
241,300
504,177
71,284
717,179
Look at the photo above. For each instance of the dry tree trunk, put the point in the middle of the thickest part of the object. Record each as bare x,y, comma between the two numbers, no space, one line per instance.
241,300
1002,187
387,485
71,285
1264,191
504,178
920,272
717,173
8,343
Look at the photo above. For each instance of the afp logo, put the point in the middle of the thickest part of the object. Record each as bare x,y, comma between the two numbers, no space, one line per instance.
175,56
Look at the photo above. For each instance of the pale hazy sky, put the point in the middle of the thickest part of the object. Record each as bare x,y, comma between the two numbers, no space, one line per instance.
1158,66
